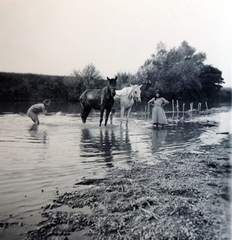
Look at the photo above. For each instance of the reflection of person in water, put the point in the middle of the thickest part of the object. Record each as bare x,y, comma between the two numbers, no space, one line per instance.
39,136
157,138
158,114
35,109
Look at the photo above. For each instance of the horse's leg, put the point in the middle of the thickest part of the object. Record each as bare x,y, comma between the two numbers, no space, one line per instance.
122,115
82,111
101,116
85,113
111,116
107,115
127,116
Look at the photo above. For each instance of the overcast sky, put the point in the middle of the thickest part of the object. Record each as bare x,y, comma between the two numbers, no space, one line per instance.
57,36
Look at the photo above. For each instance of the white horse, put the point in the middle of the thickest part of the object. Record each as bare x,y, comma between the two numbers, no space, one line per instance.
127,96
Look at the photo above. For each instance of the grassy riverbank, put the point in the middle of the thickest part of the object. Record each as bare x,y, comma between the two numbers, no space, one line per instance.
186,196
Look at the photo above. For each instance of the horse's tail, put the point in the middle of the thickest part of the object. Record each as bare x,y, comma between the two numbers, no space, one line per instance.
82,98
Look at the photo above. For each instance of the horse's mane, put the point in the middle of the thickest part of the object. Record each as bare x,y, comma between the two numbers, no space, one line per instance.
126,90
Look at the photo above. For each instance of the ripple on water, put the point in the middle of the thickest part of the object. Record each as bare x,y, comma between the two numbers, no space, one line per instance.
52,156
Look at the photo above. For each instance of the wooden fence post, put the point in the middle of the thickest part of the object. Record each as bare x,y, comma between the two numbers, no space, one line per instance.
173,108
183,109
199,108
191,109
146,112
191,106
177,106
206,106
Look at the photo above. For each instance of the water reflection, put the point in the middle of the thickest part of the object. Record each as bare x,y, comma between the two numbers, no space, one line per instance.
62,149
176,137
158,136
124,141
99,145
39,136
184,132
106,145
107,142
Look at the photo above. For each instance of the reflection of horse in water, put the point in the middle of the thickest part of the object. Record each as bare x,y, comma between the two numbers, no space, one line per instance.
106,144
98,99
127,96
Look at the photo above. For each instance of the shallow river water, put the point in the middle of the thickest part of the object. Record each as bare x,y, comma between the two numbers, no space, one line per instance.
37,163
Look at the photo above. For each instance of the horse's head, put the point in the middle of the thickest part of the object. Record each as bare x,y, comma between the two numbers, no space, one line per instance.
136,93
112,85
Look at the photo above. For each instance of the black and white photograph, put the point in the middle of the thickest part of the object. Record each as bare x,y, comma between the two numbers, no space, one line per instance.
115,120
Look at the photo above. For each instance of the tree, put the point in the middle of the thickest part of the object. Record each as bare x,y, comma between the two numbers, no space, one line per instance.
91,76
211,80
79,81
174,72
124,79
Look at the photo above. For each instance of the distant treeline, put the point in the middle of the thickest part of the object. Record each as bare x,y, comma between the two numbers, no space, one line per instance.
179,73
24,87
28,87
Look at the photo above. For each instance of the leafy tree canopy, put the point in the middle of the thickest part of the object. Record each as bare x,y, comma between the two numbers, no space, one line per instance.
180,73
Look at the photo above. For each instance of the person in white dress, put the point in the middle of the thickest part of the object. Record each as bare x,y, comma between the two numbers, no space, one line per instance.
158,114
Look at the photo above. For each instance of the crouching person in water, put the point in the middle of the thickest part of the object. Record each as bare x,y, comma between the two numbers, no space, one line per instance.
158,114
35,109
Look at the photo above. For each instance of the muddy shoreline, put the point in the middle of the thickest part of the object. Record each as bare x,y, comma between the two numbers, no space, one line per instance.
185,196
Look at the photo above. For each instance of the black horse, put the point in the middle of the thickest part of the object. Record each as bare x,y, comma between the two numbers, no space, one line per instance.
98,99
